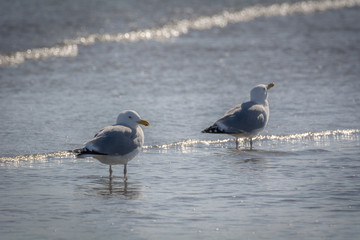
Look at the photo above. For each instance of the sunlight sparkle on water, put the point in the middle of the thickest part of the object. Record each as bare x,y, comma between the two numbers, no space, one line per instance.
69,48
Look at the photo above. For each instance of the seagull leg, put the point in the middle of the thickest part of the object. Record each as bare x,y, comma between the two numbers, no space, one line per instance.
110,172
251,145
237,143
110,185
125,187
125,171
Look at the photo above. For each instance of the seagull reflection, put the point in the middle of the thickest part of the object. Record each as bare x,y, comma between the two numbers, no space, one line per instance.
119,187
111,187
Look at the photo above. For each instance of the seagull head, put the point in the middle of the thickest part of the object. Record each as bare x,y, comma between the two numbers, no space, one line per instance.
131,119
259,93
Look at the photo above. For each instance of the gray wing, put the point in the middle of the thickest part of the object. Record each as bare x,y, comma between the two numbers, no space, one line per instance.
242,118
114,140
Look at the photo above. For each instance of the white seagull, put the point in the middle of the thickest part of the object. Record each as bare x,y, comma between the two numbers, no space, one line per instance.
245,120
117,144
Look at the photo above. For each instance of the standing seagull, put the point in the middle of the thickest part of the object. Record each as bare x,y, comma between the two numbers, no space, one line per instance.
245,120
117,144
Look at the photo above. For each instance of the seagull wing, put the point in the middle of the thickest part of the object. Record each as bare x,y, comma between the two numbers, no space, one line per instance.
242,118
114,140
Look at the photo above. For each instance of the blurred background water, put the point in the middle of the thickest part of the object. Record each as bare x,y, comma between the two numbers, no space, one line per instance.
68,68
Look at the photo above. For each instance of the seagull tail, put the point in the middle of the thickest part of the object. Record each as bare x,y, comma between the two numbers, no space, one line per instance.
84,152
213,129
78,151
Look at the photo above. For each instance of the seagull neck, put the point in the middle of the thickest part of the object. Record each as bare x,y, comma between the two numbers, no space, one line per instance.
262,102
126,125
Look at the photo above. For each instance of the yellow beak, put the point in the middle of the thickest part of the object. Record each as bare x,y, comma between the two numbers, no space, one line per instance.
270,85
144,122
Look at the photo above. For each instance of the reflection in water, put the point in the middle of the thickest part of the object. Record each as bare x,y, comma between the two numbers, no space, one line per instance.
111,187
252,160
122,190
247,156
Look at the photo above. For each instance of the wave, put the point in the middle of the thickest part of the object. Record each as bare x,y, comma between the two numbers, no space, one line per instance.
40,157
345,134
337,135
351,134
69,47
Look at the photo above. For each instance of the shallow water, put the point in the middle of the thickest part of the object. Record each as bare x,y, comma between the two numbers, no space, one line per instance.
300,180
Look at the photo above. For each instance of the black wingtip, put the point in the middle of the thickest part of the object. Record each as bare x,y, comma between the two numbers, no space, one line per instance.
78,151
206,130
84,151
212,129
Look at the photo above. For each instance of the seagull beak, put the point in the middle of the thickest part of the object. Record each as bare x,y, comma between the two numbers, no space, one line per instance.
143,122
270,86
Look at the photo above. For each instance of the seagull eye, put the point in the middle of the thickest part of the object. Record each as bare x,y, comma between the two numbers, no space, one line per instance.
130,117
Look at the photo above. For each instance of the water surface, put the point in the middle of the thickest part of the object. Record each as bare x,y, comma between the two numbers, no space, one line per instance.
300,180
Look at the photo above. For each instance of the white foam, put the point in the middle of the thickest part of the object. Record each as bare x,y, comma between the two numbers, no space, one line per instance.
342,134
67,50
191,144
30,158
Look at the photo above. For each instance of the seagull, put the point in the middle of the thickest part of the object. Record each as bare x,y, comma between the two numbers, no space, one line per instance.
117,144
245,120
